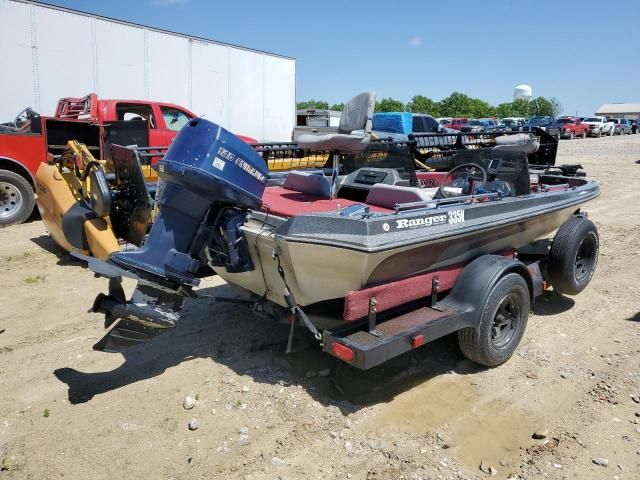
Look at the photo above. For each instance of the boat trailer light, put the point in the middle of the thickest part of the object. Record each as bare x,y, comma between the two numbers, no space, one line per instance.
417,341
342,352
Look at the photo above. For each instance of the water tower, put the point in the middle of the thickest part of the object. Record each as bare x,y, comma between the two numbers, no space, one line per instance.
523,92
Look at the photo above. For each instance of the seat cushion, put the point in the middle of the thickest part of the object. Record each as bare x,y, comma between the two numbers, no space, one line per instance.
334,141
308,182
287,203
388,196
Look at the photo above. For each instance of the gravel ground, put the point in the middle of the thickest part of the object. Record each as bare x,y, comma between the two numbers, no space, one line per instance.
255,413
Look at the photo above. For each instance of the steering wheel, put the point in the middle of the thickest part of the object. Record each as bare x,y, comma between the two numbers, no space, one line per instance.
459,181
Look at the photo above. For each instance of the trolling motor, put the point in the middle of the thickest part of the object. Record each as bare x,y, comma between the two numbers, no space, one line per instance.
212,179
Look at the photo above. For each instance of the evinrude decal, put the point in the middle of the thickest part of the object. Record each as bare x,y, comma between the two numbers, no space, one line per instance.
451,217
227,155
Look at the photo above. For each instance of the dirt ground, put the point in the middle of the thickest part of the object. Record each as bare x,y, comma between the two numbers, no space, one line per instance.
68,411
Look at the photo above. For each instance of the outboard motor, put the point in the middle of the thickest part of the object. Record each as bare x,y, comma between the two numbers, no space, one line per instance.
212,178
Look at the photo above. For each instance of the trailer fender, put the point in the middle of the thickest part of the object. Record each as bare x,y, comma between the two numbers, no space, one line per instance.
479,276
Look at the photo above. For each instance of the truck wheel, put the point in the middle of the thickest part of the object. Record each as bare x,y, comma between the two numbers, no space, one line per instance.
572,136
584,134
573,256
503,319
16,198
611,132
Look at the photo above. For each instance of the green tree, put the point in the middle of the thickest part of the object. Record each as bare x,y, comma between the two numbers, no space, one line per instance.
319,104
541,106
521,107
422,104
504,110
556,106
456,105
337,106
480,109
389,105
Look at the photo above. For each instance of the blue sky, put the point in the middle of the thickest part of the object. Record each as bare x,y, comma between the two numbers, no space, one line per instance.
585,52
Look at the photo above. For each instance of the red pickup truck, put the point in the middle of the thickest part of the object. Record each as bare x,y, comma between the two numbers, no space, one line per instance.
571,127
26,142
456,123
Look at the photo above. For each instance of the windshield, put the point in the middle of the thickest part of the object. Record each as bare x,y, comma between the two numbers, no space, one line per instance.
614,120
475,122
538,120
566,120
382,155
592,119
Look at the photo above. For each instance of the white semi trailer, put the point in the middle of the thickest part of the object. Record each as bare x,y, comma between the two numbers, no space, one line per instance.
51,52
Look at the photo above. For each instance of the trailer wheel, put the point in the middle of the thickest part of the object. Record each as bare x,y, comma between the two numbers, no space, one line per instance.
503,319
573,256
16,198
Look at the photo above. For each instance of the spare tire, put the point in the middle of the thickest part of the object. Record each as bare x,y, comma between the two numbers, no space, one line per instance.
574,256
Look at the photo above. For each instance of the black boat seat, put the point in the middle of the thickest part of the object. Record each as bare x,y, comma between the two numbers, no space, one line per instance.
314,183
388,196
356,115
520,142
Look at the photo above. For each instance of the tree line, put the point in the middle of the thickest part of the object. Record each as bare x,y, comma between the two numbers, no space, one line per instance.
456,105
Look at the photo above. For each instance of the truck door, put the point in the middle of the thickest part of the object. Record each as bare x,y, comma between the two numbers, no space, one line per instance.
142,112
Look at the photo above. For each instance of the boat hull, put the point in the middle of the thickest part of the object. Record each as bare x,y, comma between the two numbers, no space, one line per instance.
319,267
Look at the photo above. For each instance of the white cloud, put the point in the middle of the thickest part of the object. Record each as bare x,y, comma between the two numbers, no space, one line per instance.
169,3
415,41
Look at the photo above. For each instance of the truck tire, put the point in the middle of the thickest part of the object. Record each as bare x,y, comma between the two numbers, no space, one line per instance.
610,132
584,134
503,319
574,256
572,135
16,198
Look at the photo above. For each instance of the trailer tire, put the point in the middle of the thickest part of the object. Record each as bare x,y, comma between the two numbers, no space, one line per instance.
573,256
503,320
16,198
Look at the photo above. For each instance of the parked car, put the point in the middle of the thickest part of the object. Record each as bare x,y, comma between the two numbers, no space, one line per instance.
544,122
571,127
507,125
621,126
27,141
479,125
456,123
599,126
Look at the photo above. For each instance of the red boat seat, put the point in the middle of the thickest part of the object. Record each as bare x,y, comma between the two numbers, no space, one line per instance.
287,203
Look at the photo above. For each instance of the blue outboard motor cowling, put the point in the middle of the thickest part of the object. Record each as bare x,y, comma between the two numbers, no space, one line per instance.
212,178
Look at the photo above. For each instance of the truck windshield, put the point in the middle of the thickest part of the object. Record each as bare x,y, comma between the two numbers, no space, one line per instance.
592,119
538,120
566,120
